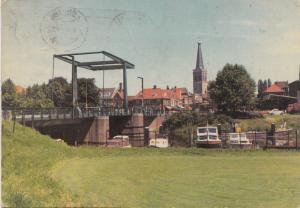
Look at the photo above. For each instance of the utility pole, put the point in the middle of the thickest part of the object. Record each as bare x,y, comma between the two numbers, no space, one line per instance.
142,79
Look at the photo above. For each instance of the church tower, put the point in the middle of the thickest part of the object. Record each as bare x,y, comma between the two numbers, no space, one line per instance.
200,75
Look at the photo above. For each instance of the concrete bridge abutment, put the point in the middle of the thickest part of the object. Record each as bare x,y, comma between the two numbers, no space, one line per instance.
98,132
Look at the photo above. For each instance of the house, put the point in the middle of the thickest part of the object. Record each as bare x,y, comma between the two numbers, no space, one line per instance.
294,88
20,89
111,97
174,98
276,89
284,85
277,96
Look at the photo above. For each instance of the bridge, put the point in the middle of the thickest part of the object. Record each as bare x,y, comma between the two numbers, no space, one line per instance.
95,125
90,125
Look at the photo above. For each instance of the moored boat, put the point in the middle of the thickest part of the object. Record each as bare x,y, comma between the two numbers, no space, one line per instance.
160,141
239,140
208,137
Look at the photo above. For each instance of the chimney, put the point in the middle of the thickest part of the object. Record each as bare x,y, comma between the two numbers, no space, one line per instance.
167,87
120,86
154,86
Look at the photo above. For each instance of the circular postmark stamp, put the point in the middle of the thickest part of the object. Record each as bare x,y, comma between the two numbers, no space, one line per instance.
64,28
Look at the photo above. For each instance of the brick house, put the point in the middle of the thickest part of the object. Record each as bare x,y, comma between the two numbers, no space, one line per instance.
276,89
111,97
161,98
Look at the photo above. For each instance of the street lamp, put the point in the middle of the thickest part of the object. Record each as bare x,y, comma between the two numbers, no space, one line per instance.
142,79
86,94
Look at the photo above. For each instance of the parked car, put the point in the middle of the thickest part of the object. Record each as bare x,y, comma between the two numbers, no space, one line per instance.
276,112
293,108
119,141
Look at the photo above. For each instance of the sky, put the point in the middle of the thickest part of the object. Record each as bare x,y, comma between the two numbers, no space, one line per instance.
160,37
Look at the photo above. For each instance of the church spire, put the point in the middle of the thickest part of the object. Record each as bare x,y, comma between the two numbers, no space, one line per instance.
199,63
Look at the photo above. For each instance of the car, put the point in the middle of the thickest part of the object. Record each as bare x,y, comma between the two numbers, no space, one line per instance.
294,108
276,112
119,141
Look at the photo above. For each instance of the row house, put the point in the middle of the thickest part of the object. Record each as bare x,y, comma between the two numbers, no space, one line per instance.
111,97
174,98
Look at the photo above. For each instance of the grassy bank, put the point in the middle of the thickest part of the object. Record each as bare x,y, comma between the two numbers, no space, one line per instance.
292,121
38,171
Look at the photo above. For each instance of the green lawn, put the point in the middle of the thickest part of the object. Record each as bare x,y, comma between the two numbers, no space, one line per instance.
39,172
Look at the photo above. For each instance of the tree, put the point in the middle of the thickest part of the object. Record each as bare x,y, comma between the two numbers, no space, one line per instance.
269,82
233,89
260,87
36,97
87,90
9,95
265,85
60,92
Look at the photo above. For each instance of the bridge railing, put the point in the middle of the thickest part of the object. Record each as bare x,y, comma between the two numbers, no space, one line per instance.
31,114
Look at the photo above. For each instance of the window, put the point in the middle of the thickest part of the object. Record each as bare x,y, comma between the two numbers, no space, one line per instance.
201,131
212,130
202,137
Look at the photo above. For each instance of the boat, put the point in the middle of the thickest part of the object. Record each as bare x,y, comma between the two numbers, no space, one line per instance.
208,137
161,142
238,140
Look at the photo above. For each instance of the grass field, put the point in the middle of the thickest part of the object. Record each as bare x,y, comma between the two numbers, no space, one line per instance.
37,171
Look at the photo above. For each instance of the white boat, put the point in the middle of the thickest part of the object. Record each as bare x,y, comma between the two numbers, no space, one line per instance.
238,140
160,142
208,137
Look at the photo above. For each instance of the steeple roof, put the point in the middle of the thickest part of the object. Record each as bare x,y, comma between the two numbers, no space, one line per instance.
199,63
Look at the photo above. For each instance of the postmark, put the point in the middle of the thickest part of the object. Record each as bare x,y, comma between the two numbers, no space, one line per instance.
64,29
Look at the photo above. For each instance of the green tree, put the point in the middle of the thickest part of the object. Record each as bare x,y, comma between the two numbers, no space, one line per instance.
260,87
36,97
265,85
60,92
9,95
87,90
269,82
233,90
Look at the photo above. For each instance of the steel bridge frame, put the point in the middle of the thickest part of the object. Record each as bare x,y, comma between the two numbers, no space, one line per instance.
115,63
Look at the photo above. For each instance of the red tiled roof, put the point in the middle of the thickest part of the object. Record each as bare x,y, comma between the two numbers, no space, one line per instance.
20,89
152,93
159,93
274,89
132,98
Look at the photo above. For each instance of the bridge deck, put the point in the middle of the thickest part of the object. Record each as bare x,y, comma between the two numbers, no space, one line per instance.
36,114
